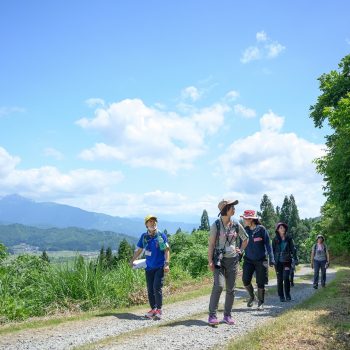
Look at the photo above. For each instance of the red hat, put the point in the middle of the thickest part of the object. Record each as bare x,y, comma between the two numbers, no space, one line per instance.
249,214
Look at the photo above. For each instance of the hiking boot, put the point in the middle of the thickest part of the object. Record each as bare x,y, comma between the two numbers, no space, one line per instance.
251,299
282,300
228,320
212,320
291,283
150,313
315,286
323,285
157,314
261,297
288,298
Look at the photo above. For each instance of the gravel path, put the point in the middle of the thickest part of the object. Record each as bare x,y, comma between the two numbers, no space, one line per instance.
184,325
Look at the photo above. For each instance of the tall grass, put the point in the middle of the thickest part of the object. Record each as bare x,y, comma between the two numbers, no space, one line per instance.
30,286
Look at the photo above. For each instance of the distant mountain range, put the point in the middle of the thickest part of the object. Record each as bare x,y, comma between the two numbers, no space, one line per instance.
15,209
28,238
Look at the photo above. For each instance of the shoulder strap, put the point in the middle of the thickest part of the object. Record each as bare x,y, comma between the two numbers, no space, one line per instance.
217,223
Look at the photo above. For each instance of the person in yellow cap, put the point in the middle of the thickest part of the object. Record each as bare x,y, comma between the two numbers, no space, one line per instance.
156,247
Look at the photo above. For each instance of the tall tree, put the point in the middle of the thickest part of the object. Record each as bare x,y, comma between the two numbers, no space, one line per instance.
267,213
285,210
109,257
125,251
333,105
294,213
45,257
205,225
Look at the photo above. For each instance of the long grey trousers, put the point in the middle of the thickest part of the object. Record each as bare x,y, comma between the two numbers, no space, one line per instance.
225,275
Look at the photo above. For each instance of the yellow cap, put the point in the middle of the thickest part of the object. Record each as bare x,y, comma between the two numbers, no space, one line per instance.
149,217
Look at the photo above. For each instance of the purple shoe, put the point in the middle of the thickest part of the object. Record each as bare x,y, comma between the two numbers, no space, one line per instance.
213,321
228,320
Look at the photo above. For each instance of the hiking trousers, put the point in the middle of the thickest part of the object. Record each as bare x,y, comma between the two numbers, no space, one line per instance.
227,274
283,281
155,281
317,266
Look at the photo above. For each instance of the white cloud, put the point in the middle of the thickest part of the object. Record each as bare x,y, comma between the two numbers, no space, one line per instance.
7,162
274,163
4,111
232,95
274,49
243,111
261,36
191,92
93,102
48,182
271,122
143,136
265,48
251,53
54,153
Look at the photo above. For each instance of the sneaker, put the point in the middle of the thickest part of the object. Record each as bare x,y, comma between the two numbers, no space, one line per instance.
157,314
213,321
150,313
228,320
288,298
260,305
315,286
282,300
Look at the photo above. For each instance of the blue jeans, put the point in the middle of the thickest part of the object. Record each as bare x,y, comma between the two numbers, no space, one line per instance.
317,266
155,281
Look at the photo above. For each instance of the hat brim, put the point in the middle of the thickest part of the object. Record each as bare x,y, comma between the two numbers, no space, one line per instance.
229,203
249,217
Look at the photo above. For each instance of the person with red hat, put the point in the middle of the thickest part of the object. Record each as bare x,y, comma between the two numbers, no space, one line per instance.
284,252
227,239
255,258
156,248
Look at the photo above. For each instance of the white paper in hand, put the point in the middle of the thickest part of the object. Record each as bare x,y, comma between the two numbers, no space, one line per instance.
139,264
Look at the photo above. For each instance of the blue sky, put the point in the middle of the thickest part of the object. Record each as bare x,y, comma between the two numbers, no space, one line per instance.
132,107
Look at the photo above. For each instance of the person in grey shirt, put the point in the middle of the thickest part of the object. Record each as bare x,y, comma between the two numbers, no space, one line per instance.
223,257
319,260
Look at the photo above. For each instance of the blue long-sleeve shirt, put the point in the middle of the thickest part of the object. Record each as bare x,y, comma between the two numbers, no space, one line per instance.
259,244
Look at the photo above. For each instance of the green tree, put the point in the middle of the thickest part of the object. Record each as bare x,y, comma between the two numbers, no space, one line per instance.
109,257
45,257
267,213
285,210
294,213
205,225
178,230
125,251
333,106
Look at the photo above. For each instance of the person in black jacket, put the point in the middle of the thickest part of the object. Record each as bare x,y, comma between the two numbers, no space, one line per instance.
284,252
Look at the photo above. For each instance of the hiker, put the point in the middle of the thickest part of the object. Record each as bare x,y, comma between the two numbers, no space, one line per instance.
255,257
284,252
319,260
223,257
156,248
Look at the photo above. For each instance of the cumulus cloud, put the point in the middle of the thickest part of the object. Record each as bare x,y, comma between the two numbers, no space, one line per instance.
54,153
243,111
146,136
191,92
264,48
274,163
50,183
